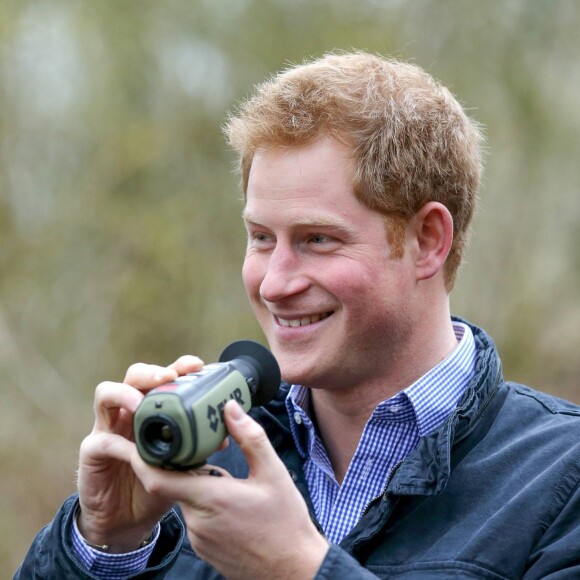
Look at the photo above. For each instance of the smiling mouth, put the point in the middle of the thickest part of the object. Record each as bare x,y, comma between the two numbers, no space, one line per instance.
304,320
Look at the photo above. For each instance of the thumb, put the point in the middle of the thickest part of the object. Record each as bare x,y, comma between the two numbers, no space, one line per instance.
253,441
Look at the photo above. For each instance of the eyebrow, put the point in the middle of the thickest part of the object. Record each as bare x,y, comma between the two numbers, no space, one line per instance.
315,221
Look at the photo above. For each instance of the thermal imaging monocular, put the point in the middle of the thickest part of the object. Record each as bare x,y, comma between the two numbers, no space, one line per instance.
180,424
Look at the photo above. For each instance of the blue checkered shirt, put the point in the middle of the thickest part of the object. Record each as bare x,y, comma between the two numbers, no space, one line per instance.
391,433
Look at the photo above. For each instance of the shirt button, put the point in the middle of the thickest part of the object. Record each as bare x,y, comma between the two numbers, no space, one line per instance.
297,418
394,408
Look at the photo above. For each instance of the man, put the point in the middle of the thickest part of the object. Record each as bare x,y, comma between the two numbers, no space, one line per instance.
394,448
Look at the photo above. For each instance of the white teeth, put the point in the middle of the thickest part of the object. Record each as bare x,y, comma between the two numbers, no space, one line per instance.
304,321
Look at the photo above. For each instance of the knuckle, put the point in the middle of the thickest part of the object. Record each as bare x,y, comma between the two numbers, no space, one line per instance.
86,445
92,446
256,435
152,486
101,390
136,369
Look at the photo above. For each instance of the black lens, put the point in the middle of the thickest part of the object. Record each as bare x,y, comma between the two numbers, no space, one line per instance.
160,436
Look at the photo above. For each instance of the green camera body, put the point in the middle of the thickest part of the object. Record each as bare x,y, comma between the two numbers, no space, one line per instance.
180,424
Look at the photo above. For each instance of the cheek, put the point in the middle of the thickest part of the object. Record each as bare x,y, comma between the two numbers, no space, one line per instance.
377,288
251,276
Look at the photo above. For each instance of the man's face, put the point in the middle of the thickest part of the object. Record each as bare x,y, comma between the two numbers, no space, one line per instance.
331,301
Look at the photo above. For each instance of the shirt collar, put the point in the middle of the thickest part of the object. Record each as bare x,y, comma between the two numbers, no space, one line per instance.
435,394
432,397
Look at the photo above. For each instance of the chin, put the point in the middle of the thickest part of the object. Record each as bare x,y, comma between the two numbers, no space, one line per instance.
293,371
300,375
302,364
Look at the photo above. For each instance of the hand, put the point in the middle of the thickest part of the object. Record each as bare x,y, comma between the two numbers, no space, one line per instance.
246,528
115,509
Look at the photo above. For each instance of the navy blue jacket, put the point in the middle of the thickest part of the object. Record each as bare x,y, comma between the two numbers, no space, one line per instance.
491,494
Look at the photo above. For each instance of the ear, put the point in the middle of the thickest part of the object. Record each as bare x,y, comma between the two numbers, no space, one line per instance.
433,231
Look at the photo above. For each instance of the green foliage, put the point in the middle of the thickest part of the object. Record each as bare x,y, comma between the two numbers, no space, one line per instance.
120,237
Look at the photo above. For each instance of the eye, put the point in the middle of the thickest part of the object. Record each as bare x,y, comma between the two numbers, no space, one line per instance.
260,239
320,239
323,243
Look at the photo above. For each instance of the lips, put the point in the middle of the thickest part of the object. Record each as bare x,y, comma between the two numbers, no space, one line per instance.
303,320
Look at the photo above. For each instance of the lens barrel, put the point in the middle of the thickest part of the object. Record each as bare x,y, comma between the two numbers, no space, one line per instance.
160,436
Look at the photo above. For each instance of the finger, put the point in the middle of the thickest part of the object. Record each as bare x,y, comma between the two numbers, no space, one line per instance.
187,364
195,487
110,400
254,443
144,376
224,444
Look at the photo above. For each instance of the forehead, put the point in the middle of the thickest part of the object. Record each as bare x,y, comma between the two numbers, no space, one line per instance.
317,175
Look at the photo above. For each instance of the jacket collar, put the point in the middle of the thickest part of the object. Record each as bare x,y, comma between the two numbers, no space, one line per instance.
427,468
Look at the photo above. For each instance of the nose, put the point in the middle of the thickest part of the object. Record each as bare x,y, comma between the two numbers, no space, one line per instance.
284,276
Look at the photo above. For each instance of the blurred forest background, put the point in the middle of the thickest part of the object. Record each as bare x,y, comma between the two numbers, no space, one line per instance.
120,237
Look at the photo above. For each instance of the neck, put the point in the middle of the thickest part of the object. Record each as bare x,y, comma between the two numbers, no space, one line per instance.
342,414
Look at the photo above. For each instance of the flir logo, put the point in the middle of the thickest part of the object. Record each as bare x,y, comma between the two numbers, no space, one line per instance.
216,416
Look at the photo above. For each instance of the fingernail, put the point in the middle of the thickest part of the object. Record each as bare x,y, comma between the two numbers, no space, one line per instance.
236,411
